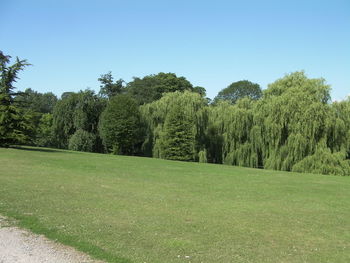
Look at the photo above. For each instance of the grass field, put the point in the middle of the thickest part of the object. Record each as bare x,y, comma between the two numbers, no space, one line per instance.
130,209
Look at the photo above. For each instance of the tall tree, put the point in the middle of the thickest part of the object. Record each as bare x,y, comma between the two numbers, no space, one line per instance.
238,90
120,126
192,108
178,135
63,119
35,105
44,133
77,111
13,125
109,88
293,118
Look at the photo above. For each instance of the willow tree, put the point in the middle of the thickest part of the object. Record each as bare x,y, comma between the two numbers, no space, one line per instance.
190,105
75,112
292,116
324,161
293,127
219,117
339,127
229,129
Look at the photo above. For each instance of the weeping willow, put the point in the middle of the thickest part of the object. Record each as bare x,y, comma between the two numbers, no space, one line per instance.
155,115
338,138
230,129
293,127
323,161
293,116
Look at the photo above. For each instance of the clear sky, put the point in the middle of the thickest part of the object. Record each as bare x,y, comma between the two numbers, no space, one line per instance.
211,43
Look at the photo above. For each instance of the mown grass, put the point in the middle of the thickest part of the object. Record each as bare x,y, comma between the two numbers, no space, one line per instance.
130,209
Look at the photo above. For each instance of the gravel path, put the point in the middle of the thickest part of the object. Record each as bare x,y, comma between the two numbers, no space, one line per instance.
18,245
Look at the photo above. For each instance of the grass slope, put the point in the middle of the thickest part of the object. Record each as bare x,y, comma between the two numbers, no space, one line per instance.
130,209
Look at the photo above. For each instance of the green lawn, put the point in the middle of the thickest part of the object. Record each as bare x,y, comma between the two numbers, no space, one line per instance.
130,209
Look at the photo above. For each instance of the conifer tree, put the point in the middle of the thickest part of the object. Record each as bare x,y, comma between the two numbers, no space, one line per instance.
178,137
14,125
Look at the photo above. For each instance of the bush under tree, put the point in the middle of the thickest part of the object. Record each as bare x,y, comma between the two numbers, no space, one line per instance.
82,141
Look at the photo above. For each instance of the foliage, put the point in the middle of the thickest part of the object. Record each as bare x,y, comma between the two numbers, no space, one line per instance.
44,136
324,162
282,128
178,136
120,126
77,111
14,125
164,116
110,88
338,138
231,126
200,90
87,111
292,117
82,140
192,107
63,120
36,101
152,87
35,105
202,156
239,90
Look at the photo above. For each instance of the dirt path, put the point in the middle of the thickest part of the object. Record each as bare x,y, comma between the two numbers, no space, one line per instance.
18,245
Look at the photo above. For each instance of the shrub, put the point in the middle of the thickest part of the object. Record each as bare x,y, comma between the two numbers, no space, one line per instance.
82,141
202,155
324,162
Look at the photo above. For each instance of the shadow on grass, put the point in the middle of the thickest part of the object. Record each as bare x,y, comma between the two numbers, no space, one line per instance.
36,149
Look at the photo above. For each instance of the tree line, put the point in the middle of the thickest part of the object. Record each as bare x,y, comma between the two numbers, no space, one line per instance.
292,125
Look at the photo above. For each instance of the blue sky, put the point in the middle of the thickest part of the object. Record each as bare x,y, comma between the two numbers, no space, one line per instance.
211,43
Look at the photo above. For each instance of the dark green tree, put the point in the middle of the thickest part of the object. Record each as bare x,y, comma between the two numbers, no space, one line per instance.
77,111
120,126
152,87
178,135
239,90
200,90
35,105
36,101
109,88
14,125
